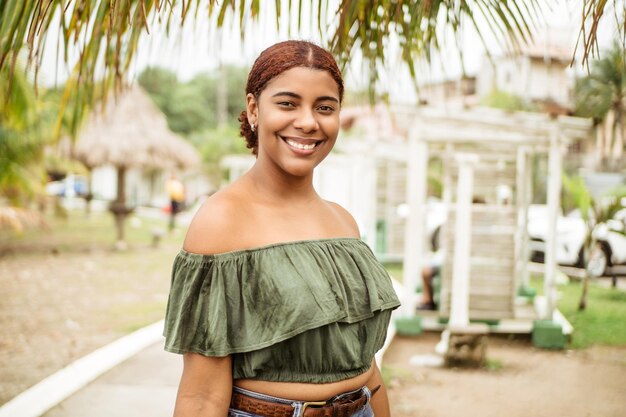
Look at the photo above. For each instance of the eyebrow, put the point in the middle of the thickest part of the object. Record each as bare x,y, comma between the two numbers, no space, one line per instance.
294,95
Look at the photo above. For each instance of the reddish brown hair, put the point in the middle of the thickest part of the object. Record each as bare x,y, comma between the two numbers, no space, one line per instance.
277,59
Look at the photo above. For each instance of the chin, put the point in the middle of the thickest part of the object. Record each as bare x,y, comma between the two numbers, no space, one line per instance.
300,168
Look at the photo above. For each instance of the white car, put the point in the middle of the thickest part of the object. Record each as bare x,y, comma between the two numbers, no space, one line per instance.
610,248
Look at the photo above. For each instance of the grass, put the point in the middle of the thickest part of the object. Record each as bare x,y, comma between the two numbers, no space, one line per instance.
395,269
603,322
391,372
494,365
81,232
79,228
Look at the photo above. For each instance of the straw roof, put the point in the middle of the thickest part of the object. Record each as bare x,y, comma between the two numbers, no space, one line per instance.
132,132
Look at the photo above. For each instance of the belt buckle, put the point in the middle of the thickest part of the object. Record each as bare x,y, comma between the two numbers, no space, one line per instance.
306,404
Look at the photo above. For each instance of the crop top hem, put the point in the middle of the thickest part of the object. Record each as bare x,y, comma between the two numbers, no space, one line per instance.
310,377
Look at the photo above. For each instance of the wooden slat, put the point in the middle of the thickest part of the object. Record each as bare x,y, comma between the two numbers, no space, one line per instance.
481,303
504,272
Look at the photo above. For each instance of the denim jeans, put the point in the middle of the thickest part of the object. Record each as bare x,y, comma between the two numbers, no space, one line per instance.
363,412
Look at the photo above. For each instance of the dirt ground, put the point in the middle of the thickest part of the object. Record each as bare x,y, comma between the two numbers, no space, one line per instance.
519,381
58,307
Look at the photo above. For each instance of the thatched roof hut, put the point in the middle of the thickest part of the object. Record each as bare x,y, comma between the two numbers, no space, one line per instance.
132,132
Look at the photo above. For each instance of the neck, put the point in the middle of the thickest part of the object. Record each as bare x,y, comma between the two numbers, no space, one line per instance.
279,187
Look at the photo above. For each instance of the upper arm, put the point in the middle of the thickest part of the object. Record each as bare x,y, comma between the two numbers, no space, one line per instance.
346,219
205,386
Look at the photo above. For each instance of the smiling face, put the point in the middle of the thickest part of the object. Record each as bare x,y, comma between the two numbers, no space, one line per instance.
297,120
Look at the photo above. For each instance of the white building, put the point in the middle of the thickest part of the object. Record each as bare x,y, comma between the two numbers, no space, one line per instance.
536,73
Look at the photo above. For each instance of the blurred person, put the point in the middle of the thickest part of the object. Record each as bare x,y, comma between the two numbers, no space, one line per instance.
431,269
176,192
276,304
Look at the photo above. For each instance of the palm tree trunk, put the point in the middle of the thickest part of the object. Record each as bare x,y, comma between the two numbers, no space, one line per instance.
118,207
587,247
599,145
121,202
89,194
582,304
608,135
618,131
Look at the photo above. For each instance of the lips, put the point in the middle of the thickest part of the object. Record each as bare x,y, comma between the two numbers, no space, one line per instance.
302,146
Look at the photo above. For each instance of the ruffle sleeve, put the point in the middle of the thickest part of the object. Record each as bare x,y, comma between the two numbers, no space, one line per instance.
247,300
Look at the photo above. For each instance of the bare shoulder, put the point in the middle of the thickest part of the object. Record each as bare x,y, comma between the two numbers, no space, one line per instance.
214,227
345,219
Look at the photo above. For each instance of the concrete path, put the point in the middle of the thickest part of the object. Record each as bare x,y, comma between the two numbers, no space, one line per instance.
143,386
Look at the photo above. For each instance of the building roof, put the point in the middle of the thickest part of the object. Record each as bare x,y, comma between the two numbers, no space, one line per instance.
132,132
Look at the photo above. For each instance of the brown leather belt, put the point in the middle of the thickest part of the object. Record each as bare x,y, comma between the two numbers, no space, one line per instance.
341,407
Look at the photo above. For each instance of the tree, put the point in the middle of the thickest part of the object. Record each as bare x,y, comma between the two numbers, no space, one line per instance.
192,107
20,139
506,101
160,84
215,144
602,96
107,33
594,212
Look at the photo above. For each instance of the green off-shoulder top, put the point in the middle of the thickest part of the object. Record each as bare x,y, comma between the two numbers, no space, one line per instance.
307,311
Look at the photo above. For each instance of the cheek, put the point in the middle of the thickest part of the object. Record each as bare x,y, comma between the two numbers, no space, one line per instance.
274,120
330,126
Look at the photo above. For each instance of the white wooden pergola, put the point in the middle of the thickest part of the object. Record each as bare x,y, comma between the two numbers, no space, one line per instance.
486,245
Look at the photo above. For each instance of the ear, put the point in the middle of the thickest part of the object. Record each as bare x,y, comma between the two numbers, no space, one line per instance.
252,109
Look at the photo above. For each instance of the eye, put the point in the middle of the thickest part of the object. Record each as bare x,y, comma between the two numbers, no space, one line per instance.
326,109
286,104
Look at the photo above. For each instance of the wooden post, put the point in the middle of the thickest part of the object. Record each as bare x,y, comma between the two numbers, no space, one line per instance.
522,201
459,309
417,165
467,343
554,197
528,187
446,196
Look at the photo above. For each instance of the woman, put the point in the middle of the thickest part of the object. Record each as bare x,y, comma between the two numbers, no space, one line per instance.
276,304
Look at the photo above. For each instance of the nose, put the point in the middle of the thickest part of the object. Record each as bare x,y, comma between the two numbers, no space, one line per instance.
306,121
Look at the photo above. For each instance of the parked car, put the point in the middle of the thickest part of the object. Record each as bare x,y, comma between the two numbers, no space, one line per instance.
70,186
610,248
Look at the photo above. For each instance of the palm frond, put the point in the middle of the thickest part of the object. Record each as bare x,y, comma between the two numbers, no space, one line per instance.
581,197
106,33
592,13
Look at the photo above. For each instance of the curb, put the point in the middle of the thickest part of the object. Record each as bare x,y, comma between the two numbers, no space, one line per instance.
39,398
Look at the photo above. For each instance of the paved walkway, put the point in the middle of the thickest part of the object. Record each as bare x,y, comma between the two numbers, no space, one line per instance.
143,386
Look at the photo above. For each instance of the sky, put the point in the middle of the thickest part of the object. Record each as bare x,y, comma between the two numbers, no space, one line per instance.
199,48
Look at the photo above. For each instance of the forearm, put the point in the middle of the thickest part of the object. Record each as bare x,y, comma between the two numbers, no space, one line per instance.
189,406
380,401
205,387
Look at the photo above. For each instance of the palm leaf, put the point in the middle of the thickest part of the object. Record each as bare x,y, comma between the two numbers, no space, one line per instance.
580,195
112,29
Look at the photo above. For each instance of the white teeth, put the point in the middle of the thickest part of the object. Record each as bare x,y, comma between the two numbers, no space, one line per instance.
300,145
